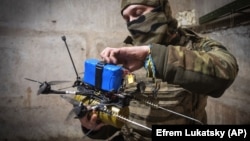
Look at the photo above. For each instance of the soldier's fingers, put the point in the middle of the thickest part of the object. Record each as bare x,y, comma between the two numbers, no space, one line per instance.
113,57
94,121
93,118
105,55
110,55
85,122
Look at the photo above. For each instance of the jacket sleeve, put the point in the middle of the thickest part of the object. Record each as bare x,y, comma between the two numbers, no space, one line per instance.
208,68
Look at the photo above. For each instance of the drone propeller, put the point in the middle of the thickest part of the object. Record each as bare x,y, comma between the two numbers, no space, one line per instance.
33,80
44,88
76,106
71,100
50,82
78,111
57,82
65,88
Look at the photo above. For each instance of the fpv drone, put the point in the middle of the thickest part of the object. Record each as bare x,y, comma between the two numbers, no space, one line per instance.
102,90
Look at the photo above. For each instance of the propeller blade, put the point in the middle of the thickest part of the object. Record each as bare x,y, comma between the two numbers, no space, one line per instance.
76,106
33,80
78,110
71,100
50,83
65,88
71,115
57,82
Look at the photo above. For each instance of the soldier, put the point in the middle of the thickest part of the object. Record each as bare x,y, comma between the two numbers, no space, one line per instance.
190,67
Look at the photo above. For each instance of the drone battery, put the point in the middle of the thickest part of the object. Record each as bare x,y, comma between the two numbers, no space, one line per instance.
107,77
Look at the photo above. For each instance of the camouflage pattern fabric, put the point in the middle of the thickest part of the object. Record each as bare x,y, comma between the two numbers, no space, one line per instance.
157,26
163,4
192,70
197,64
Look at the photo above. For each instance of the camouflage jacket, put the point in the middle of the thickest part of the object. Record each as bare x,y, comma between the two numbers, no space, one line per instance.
200,65
190,70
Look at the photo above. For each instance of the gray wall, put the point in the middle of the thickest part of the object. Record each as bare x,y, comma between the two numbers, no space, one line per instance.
31,47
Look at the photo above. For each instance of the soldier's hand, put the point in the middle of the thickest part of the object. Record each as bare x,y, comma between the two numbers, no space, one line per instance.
132,58
91,121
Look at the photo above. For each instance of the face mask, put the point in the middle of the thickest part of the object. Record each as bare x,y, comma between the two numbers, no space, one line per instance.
150,28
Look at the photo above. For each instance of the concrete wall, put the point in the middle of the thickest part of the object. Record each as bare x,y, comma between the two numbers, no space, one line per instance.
31,47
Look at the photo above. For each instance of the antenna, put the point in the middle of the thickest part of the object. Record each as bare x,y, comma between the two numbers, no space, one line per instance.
77,77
